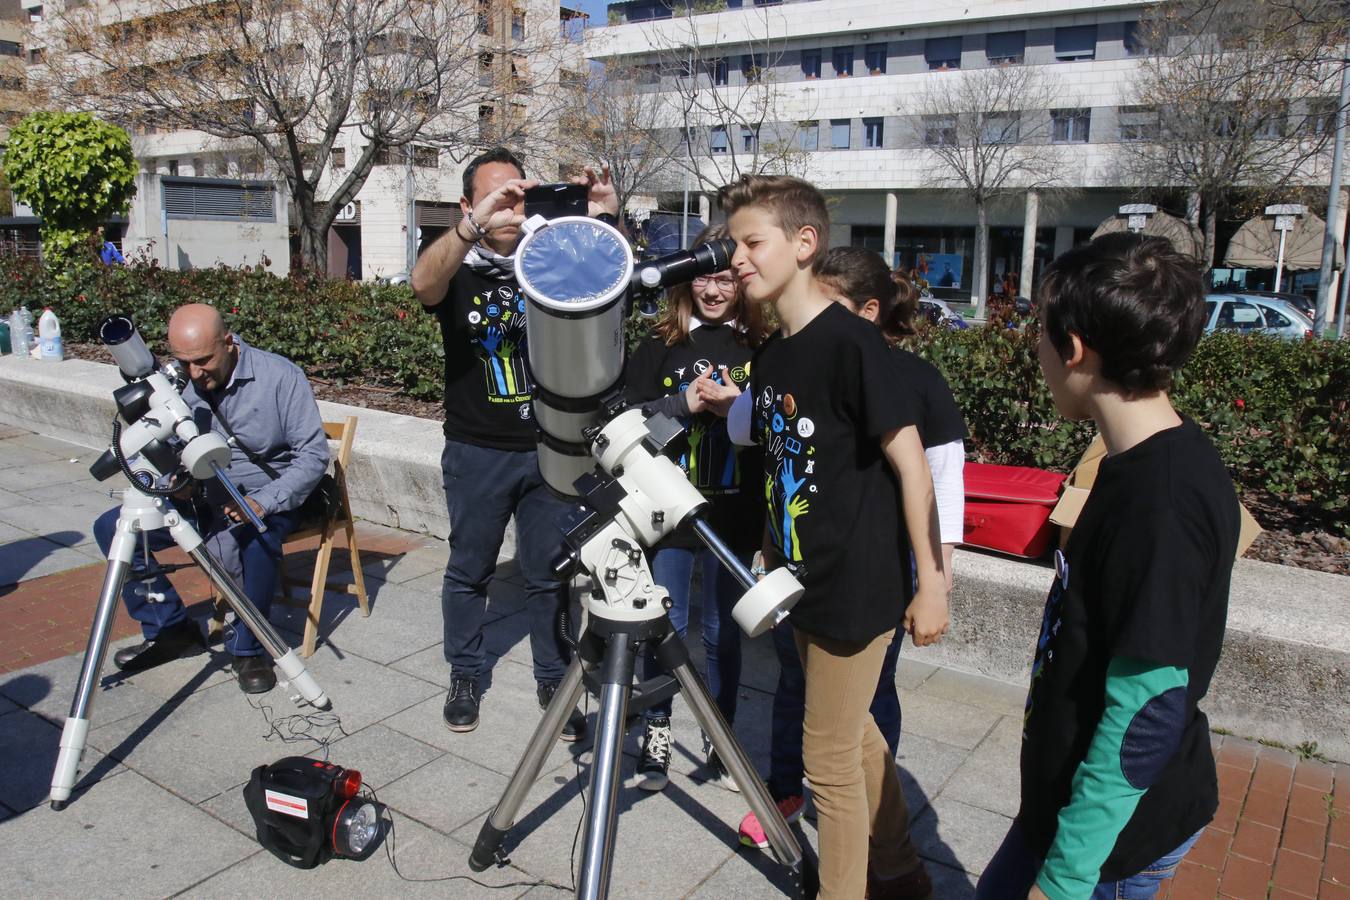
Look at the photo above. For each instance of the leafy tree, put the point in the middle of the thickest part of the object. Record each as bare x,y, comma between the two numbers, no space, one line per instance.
74,171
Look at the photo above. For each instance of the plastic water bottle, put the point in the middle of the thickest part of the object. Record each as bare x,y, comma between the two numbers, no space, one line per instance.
49,335
26,332
17,335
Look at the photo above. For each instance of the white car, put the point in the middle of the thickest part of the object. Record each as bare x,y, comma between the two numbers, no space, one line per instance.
1248,313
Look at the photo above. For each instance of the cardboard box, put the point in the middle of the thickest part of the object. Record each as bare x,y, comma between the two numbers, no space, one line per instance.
1079,484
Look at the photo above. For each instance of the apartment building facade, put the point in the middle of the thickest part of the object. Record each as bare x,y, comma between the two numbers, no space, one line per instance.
855,81
202,200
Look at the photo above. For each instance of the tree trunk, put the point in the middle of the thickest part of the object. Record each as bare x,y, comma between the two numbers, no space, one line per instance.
979,276
1211,237
313,246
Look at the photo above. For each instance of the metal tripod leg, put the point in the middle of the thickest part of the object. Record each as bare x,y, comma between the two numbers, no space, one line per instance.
616,683
487,849
76,729
753,789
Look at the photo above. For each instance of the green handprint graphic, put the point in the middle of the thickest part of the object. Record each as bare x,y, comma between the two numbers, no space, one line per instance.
697,431
797,506
505,352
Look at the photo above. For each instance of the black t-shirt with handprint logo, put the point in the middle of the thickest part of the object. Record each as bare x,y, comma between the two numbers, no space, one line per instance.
727,475
823,399
487,379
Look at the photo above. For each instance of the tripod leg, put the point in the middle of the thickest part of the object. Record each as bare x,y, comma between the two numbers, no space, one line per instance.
486,850
752,787
616,680
76,729
287,660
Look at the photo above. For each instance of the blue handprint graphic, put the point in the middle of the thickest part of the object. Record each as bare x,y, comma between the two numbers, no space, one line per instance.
791,484
491,339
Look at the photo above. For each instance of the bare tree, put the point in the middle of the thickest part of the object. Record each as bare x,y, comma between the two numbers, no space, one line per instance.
290,78
728,112
987,133
616,120
1234,102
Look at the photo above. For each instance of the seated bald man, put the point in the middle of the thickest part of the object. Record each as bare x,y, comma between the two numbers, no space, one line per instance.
264,406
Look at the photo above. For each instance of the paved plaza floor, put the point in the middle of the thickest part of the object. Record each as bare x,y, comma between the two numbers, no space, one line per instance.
159,809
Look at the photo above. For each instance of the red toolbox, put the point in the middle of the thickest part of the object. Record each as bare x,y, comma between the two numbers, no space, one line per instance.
1008,508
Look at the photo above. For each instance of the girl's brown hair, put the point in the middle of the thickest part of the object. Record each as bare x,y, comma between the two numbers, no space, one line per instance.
861,275
673,326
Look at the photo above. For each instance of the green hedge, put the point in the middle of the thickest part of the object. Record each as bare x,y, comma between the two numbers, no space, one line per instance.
1277,410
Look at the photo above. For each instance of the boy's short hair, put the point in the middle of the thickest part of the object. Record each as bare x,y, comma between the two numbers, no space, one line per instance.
1133,299
793,202
495,155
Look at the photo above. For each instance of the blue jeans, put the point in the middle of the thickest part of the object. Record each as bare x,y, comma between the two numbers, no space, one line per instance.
252,559
1013,870
673,568
483,488
786,769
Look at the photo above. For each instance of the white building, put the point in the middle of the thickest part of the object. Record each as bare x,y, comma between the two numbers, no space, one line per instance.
848,71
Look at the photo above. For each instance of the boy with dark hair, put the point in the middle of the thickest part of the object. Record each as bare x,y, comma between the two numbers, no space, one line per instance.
847,484
1118,778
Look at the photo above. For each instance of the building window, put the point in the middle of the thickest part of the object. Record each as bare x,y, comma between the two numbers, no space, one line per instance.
1138,123
173,167
1271,125
1078,42
939,131
648,74
1001,128
1321,117
1134,43
517,25
808,136
426,157
12,83
873,133
11,48
194,199
1005,48
839,134
717,139
876,59
811,63
843,61
485,116
485,16
485,68
717,71
338,157
749,138
752,66
36,56
1070,126
942,53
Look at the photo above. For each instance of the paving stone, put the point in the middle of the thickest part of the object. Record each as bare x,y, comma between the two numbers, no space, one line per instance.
405,567
750,874
989,777
944,720
446,793
6,812
201,745
976,690
62,522
33,557
29,745
951,883
44,444
423,855
229,807
382,755
925,765
910,673
400,622
959,835
11,498
10,533
149,844
7,705
13,455
21,478
429,665
508,718
49,688
362,692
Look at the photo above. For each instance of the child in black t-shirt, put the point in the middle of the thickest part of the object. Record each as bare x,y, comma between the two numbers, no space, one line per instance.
1118,778
847,484
708,331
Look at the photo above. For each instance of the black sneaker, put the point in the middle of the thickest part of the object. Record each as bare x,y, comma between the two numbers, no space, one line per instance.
654,767
574,729
717,770
461,704
168,645
254,673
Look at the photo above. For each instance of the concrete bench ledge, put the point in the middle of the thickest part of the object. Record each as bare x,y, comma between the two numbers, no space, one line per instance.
1284,672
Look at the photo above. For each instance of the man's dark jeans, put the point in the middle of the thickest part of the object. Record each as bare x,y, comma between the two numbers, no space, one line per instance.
483,488
252,559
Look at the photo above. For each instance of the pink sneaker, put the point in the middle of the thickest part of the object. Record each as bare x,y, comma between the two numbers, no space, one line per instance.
752,834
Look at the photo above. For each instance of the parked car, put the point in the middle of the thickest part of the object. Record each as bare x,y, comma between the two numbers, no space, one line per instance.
1301,302
1248,313
937,312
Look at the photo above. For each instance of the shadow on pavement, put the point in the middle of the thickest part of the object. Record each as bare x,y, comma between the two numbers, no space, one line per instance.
22,556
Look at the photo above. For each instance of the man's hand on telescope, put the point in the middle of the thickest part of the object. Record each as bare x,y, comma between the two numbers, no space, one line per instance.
601,195
235,514
499,208
711,395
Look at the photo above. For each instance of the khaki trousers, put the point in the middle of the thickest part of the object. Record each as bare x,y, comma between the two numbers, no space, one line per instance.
860,807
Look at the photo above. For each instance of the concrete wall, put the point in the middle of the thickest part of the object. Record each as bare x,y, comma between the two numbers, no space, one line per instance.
1285,672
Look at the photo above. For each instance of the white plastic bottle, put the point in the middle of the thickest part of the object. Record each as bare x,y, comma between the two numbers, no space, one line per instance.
49,335
26,329
18,335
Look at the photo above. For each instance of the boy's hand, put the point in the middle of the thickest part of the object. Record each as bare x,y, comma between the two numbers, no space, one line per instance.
693,396
926,617
714,396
